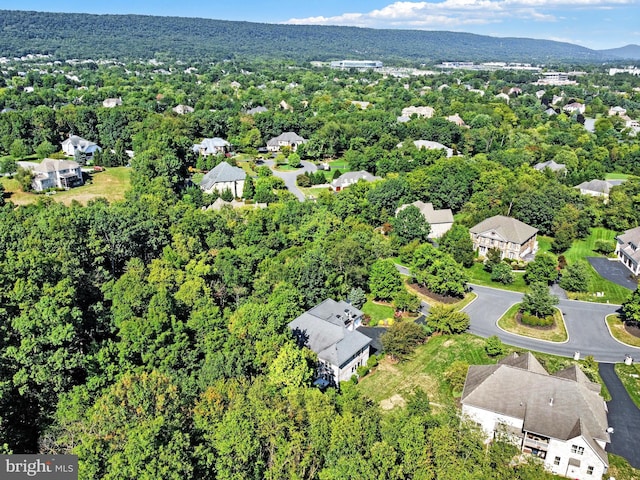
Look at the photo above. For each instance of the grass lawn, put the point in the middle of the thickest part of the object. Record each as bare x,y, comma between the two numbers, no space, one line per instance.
619,333
544,243
478,275
287,168
313,192
378,312
110,184
340,164
582,249
556,334
618,176
630,377
619,468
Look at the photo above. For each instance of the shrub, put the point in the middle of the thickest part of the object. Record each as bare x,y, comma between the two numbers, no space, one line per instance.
605,247
372,362
446,319
494,346
456,375
303,180
502,273
362,371
534,321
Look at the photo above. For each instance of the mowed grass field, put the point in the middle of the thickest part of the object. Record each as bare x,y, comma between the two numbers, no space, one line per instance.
110,184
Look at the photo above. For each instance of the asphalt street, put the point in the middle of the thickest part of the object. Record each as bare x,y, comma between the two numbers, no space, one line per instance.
289,177
588,332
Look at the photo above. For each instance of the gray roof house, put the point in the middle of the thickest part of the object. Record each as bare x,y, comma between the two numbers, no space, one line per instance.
560,419
224,177
286,139
254,110
628,249
349,178
598,188
329,329
551,165
75,144
56,174
515,239
212,146
440,220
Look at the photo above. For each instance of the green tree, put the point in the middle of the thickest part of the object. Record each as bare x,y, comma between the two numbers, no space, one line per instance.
446,319
45,149
24,176
456,375
631,309
405,301
494,346
494,257
401,338
538,300
357,297
409,224
576,277
249,190
457,243
8,165
294,160
543,269
293,367
502,273
384,279
226,195
19,149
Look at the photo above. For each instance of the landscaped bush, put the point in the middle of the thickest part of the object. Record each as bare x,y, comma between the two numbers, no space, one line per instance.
362,371
605,247
534,321
372,362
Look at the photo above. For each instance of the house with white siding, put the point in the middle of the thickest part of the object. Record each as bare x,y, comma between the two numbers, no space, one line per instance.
561,419
628,249
52,173
224,177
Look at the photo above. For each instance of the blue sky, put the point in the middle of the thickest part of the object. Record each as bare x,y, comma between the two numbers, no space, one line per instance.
592,23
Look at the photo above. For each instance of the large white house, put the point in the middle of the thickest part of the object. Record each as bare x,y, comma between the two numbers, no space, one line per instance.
287,139
628,249
75,144
212,146
350,178
329,329
560,419
224,177
56,174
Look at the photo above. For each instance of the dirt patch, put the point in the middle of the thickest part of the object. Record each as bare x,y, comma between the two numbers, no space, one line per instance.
632,330
448,343
395,401
428,293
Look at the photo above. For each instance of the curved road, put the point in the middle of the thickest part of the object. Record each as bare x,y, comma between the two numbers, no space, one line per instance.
289,177
588,332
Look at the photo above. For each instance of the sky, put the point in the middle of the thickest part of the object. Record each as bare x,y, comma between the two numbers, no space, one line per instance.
597,24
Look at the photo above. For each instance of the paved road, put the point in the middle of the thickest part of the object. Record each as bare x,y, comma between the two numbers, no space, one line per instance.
289,177
588,333
623,416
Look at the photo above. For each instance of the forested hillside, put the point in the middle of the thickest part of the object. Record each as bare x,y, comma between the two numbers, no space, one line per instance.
67,35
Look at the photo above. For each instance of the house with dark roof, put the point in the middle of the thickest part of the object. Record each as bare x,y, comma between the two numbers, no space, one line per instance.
56,174
224,177
561,419
628,249
515,239
349,178
286,139
329,329
439,220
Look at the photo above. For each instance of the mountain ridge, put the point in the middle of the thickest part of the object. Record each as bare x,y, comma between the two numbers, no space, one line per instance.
77,35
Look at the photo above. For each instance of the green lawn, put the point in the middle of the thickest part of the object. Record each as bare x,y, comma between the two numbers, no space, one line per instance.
616,327
478,275
582,249
378,312
339,164
618,176
557,334
544,243
110,184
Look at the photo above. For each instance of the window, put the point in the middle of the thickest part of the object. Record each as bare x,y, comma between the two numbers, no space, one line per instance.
589,470
556,461
577,449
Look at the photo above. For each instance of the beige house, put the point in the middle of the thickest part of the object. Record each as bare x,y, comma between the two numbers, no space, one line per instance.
628,249
349,178
287,139
56,174
112,102
561,419
224,177
512,237
439,220
329,329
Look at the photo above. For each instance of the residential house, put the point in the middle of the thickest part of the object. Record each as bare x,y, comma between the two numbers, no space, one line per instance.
628,249
574,107
617,111
551,165
425,112
212,146
56,174
75,144
224,177
597,188
287,139
254,110
347,179
503,96
440,220
112,102
429,145
457,120
514,239
329,329
561,419
182,109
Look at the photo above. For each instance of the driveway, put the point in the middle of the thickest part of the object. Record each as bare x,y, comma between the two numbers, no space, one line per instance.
623,416
588,332
613,271
289,177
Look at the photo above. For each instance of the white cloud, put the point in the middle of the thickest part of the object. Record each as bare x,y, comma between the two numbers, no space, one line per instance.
452,13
